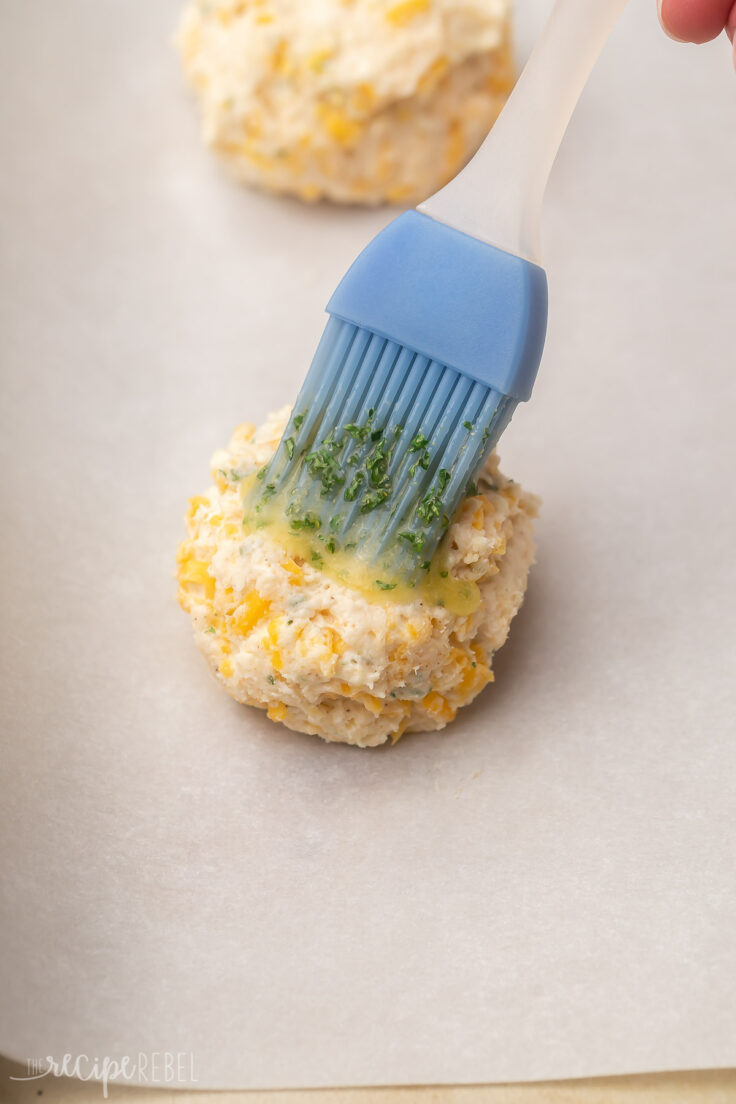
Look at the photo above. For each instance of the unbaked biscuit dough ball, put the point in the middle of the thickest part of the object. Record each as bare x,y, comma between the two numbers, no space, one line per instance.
327,659
353,100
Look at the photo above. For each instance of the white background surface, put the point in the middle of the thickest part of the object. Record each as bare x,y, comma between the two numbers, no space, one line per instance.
544,890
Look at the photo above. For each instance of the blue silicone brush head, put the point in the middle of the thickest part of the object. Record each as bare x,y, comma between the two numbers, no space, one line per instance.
433,338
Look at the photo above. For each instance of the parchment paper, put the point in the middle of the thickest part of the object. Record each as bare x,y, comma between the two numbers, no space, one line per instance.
544,890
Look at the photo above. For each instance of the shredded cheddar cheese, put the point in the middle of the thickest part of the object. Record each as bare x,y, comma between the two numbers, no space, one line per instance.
403,12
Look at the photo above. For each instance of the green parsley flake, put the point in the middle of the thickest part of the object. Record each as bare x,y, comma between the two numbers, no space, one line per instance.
309,521
422,462
373,500
377,462
351,492
385,586
416,540
324,464
430,507
289,444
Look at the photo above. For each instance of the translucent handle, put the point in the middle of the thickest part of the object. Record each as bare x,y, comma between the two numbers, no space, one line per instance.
498,196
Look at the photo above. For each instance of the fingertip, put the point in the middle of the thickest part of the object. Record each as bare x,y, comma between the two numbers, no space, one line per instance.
688,21
664,25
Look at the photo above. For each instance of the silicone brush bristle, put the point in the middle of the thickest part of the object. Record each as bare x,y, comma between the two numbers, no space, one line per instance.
381,448
433,339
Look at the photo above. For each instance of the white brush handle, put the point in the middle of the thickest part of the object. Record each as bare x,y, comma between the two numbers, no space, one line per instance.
498,196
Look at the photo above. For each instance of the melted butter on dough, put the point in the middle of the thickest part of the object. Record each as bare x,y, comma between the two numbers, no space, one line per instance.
437,588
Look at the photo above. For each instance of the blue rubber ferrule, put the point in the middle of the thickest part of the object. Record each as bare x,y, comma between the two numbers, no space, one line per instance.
452,298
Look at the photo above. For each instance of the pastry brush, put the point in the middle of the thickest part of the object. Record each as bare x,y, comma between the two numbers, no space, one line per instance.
434,335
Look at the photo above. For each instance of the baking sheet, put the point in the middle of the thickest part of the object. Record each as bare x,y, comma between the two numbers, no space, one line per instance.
544,890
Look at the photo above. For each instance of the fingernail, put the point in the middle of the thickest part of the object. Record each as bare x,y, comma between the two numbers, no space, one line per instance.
665,28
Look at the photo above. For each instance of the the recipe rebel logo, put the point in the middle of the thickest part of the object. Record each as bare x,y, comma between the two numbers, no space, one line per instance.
157,1068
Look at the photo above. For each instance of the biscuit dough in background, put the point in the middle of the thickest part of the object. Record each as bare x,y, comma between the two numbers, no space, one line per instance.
357,101
323,657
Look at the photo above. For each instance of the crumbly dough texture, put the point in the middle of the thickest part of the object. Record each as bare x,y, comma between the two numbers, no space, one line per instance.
353,100
324,658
